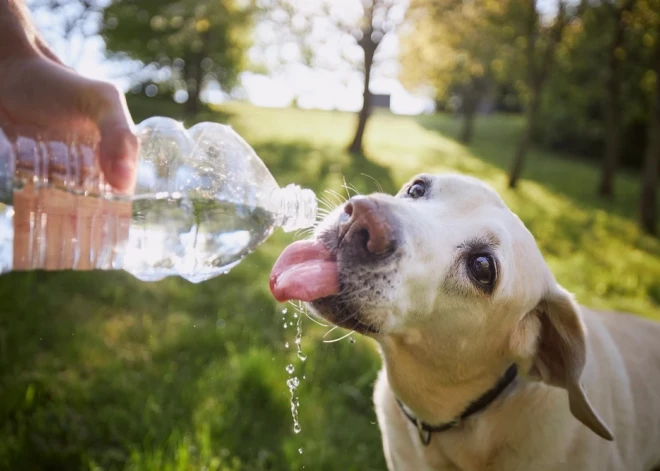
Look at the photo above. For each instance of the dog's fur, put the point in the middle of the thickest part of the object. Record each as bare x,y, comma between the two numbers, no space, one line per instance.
585,377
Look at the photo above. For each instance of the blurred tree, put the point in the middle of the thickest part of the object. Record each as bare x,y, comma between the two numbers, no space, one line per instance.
314,28
373,27
540,46
649,192
457,47
647,15
619,12
75,19
193,42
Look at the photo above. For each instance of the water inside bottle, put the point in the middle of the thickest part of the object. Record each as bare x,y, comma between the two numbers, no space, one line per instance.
152,237
196,239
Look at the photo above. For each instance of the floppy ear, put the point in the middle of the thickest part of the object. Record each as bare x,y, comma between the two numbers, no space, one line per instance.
561,355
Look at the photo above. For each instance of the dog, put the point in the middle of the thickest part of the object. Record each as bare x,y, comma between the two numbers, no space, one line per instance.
489,364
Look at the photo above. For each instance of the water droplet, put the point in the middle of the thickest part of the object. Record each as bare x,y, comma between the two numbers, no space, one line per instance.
291,323
295,315
304,377
301,355
286,345
284,311
220,323
300,450
290,369
292,384
285,326
351,339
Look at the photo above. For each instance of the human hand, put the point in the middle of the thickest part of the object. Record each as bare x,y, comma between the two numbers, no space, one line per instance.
38,91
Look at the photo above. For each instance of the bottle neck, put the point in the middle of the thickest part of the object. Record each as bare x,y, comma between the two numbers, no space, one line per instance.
297,208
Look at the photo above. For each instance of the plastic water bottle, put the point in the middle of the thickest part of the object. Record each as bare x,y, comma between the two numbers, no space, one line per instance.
203,201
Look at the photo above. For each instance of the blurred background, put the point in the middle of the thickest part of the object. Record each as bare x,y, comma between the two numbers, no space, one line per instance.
554,103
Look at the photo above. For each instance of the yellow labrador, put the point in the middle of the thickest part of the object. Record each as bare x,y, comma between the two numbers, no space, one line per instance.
488,363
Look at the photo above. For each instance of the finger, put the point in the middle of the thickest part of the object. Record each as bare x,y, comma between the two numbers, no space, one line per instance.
48,52
119,146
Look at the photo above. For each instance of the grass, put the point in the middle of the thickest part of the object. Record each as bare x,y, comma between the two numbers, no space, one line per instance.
100,371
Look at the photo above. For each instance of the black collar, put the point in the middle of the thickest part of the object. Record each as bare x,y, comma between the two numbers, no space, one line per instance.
425,430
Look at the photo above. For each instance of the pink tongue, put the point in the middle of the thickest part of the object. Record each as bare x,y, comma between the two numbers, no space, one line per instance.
306,271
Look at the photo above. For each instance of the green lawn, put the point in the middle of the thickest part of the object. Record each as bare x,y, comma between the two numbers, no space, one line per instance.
100,371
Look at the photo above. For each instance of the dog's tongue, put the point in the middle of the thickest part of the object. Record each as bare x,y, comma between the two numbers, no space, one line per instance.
306,270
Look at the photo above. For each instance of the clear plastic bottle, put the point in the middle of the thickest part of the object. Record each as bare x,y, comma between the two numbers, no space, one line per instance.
203,201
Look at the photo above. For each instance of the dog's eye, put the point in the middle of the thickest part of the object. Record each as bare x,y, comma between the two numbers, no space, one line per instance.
417,190
482,269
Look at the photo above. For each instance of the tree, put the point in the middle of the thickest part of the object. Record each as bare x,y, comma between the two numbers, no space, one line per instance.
649,16
614,105
375,25
648,204
194,42
541,44
457,47
75,18
356,29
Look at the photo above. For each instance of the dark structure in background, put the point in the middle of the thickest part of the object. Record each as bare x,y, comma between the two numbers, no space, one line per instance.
380,100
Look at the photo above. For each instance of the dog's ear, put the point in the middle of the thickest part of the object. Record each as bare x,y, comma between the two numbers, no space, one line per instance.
561,355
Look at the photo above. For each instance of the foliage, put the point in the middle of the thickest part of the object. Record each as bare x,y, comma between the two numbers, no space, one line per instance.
449,44
572,113
99,371
194,42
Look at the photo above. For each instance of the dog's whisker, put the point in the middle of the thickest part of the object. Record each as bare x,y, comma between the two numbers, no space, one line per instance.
350,186
378,185
300,307
333,328
339,339
326,202
348,193
314,320
338,196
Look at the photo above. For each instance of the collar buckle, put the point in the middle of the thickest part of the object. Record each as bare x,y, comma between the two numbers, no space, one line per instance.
424,434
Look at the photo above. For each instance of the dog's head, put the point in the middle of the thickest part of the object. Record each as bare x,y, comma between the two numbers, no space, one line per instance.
442,273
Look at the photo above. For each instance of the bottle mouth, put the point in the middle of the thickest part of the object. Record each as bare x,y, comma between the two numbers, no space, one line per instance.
298,208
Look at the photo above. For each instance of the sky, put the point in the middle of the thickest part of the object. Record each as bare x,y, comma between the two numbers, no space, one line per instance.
333,86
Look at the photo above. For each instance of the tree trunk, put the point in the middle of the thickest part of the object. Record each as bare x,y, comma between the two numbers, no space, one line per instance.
526,137
472,96
467,130
369,48
648,204
469,110
613,105
537,77
194,77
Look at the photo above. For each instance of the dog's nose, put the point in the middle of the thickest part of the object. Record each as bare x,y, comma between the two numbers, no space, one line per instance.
367,223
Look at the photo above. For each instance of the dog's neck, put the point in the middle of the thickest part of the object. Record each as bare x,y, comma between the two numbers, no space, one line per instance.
436,391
